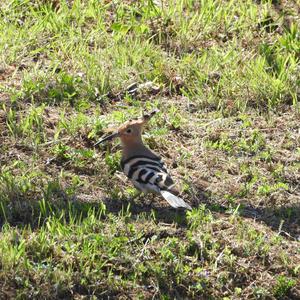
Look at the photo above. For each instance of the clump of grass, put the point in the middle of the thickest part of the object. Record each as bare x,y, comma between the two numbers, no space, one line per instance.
283,286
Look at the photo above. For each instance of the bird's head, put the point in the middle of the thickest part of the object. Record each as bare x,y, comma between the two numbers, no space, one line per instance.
130,131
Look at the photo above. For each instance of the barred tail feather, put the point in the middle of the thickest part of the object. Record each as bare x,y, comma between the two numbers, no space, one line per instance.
174,201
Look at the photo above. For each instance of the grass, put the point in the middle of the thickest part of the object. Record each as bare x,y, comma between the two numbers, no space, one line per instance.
225,76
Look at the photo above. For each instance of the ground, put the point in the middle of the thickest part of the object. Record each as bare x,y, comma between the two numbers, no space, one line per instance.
225,77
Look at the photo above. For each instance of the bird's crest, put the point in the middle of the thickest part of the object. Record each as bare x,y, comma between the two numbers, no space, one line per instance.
116,131
139,121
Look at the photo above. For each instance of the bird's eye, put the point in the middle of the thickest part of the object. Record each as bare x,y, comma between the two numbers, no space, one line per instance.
129,130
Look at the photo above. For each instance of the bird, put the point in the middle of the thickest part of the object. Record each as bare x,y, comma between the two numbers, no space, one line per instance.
142,166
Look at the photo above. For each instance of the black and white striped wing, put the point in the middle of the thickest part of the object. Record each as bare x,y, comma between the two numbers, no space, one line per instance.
147,173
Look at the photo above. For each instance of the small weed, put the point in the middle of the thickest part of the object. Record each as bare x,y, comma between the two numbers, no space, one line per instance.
266,189
253,144
283,286
29,124
223,143
113,161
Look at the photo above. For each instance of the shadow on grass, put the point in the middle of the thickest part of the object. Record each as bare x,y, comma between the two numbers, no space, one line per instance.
164,214
23,212
285,219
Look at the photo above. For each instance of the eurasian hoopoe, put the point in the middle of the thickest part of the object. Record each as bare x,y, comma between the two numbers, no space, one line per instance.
143,167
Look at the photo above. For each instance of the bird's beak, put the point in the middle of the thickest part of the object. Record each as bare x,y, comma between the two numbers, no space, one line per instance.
148,116
107,138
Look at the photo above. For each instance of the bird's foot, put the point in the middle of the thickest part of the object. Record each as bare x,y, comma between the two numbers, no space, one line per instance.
149,203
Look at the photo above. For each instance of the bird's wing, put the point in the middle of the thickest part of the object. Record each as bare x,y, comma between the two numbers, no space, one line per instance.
165,182
135,162
149,175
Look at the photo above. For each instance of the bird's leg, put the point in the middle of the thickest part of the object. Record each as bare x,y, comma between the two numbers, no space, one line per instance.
149,203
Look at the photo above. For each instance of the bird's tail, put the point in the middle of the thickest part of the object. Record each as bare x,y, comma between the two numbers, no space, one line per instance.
174,201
